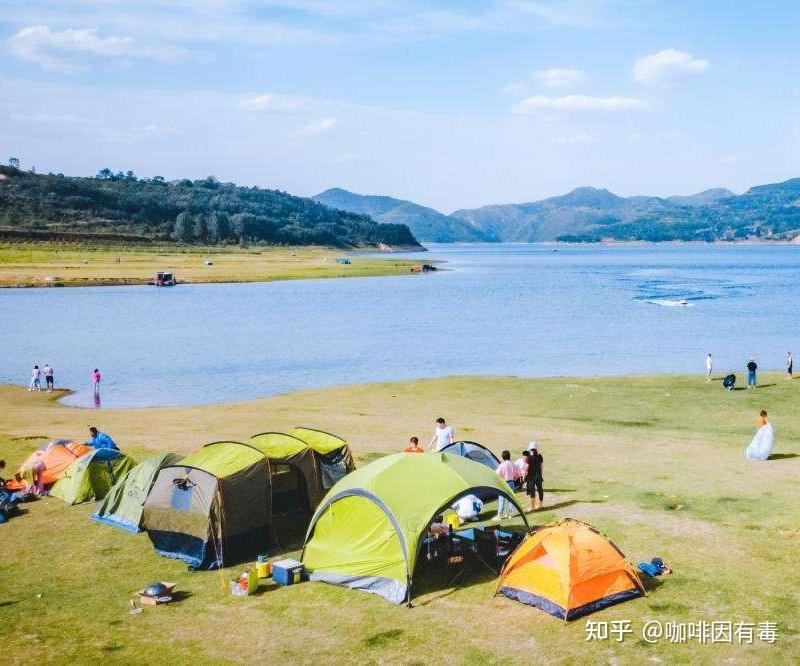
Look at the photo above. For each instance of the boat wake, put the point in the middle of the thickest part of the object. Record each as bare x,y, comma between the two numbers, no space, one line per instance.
670,303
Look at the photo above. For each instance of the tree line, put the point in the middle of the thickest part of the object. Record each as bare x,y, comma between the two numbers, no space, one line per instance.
204,211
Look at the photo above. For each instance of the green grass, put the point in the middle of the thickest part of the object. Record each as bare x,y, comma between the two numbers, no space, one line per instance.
73,265
656,463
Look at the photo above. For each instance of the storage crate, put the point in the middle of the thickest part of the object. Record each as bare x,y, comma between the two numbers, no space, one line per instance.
288,571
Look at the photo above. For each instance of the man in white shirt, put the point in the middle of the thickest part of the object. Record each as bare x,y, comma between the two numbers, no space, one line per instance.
443,435
709,367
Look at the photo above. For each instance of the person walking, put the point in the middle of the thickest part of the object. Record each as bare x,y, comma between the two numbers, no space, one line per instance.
96,380
709,367
789,365
36,378
48,377
752,366
535,481
443,435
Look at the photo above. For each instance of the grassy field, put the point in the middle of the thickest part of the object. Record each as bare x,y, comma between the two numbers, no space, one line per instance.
656,463
41,264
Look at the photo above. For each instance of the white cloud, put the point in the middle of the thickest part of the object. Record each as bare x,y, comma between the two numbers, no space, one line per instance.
274,103
666,67
577,103
321,126
70,49
558,77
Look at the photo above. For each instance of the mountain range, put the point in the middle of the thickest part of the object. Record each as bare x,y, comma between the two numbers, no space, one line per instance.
589,214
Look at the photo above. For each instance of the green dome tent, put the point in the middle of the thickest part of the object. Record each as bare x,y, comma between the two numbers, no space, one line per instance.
123,507
367,531
212,508
91,476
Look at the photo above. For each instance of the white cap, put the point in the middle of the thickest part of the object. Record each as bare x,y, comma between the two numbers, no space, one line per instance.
533,445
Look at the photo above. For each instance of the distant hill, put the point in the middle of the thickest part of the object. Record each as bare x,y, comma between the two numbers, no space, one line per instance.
702,198
425,223
125,208
589,214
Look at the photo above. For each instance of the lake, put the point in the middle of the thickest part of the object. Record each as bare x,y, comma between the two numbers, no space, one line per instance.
527,310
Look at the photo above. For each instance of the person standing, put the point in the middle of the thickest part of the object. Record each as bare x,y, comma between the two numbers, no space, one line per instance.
789,365
709,367
509,473
96,380
443,435
48,377
751,373
535,481
761,445
36,378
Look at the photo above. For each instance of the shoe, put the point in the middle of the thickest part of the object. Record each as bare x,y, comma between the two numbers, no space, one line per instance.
497,518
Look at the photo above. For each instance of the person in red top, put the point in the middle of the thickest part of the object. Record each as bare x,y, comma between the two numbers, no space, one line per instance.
413,446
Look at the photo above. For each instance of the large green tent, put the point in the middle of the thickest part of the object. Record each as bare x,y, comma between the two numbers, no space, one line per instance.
303,466
367,531
91,476
123,507
213,507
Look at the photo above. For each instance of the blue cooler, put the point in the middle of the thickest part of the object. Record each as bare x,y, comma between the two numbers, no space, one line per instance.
288,571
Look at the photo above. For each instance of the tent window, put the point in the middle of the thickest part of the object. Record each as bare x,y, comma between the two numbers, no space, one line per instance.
182,496
333,467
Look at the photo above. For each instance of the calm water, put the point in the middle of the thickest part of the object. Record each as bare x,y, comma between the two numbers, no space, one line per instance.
503,309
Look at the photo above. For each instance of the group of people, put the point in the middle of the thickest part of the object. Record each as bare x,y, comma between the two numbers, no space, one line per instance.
525,472
752,368
46,372
36,378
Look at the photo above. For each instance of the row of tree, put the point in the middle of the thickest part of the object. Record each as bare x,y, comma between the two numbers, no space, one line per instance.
187,211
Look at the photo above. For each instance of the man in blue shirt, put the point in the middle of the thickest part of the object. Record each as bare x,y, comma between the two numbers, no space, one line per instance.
100,440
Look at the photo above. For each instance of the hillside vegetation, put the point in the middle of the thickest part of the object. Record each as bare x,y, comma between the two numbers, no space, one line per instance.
128,209
589,214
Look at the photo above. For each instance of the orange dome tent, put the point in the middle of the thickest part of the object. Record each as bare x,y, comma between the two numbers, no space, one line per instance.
568,570
56,456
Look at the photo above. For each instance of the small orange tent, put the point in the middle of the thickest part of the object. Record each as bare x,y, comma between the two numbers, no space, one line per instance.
568,570
56,456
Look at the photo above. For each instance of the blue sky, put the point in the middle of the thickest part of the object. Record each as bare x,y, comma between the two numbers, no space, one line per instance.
451,104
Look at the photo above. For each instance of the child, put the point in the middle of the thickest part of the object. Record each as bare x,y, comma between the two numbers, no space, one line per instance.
36,376
535,483
96,379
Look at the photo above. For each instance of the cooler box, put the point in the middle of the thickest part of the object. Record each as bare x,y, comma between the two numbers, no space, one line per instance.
288,571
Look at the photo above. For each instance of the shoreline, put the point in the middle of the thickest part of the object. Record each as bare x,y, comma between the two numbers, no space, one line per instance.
48,265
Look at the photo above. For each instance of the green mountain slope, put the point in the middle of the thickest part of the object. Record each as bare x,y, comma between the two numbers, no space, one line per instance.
588,214
125,208
425,223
